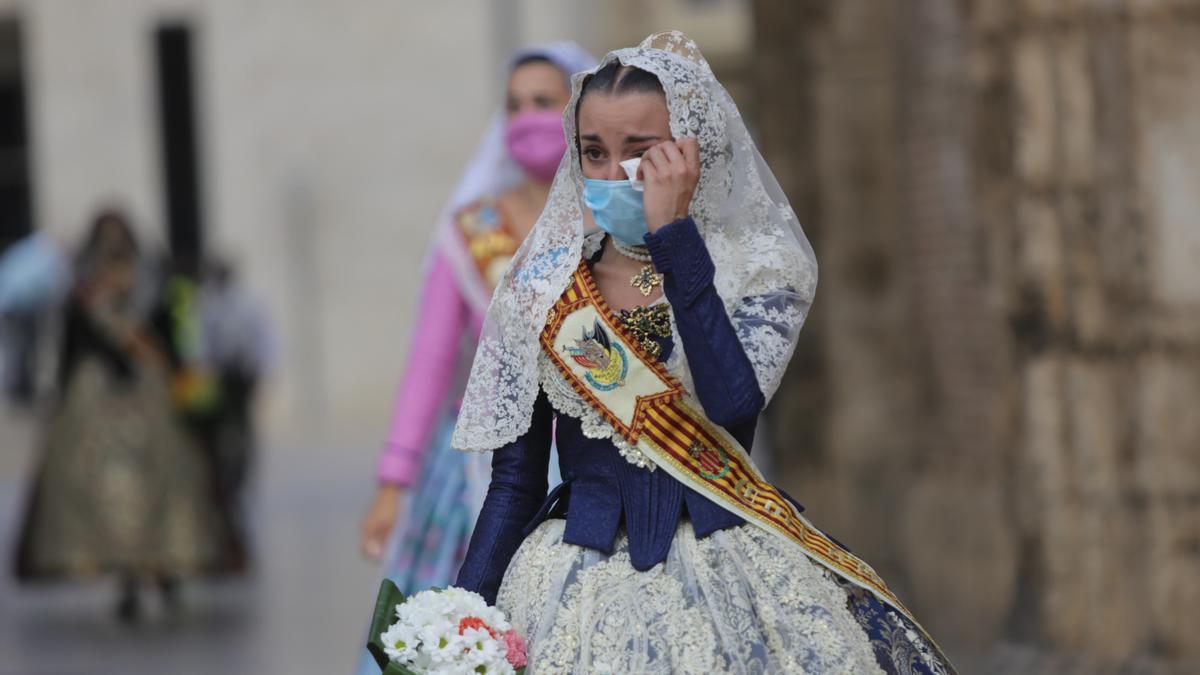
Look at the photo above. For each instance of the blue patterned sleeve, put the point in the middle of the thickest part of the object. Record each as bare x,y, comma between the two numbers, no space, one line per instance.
725,381
517,491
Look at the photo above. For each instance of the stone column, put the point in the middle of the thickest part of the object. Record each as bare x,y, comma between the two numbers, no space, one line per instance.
993,400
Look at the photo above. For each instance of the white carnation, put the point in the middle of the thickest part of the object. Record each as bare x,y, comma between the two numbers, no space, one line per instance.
425,637
399,642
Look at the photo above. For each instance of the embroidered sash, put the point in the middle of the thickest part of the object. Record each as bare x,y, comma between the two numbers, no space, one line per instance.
650,408
487,239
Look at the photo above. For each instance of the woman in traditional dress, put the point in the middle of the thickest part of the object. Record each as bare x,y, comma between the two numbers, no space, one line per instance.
121,488
497,200
644,324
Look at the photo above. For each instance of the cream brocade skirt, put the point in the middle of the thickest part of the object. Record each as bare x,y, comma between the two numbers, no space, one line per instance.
737,601
121,487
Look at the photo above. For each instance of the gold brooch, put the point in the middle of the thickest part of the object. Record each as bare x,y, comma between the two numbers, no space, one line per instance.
646,280
645,324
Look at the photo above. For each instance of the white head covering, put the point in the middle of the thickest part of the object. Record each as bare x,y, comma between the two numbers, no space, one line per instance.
491,172
766,272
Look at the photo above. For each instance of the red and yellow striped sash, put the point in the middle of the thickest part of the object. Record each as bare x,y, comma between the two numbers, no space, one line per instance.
671,429
651,409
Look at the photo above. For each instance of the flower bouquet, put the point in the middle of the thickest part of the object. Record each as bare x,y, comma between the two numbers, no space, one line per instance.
439,631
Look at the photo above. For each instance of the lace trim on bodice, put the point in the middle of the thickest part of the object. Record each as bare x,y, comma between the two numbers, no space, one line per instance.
566,401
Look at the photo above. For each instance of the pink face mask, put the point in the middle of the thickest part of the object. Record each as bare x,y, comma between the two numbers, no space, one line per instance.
535,141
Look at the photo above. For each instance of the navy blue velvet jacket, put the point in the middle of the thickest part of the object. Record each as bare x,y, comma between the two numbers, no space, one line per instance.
601,491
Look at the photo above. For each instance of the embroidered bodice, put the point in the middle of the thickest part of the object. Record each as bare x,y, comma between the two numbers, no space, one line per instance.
605,486
488,237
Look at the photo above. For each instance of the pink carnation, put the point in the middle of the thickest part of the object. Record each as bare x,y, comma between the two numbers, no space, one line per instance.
516,649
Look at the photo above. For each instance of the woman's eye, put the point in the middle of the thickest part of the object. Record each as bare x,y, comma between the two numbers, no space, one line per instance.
593,153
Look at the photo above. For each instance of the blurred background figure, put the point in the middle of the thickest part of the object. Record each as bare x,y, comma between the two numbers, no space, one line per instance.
494,206
34,273
120,489
197,391
239,349
498,199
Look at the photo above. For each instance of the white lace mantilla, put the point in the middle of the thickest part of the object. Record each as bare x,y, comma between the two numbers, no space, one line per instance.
766,272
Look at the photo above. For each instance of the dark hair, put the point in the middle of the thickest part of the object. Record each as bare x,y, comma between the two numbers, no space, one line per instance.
615,78
531,58
95,246
220,271
540,58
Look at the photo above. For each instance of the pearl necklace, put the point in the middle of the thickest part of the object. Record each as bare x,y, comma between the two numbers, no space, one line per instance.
646,279
638,253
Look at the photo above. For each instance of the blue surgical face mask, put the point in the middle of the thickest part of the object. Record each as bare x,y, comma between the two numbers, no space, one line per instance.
617,209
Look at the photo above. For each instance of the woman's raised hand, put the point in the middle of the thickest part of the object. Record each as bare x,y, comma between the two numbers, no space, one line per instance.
670,171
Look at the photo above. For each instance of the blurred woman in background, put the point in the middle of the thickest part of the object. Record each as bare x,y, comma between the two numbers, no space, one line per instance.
498,199
121,488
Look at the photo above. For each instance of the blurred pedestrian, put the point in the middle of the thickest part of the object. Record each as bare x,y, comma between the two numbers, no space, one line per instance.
120,488
195,387
495,204
499,197
34,273
238,347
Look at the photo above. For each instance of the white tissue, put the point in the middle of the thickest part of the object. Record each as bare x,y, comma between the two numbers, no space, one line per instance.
631,169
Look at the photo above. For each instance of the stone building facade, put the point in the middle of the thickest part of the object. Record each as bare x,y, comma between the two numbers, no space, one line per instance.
994,399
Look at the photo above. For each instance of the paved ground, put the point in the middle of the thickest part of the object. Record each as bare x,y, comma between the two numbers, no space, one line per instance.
302,611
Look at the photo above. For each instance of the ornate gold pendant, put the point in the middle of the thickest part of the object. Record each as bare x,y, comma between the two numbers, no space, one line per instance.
646,280
645,324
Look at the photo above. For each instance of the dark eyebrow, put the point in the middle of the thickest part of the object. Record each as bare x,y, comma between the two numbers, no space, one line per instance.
595,138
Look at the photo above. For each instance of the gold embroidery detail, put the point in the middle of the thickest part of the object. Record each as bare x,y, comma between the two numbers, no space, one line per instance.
746,491
774,509
645,324
646,280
